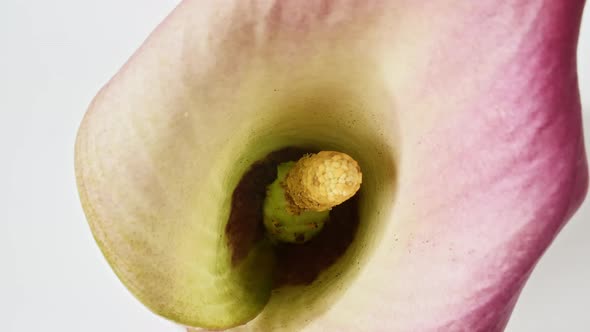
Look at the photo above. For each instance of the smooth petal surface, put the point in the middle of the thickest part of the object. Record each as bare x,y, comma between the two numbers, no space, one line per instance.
464,115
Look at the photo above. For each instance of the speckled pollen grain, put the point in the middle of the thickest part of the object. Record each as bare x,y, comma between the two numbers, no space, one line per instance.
321,181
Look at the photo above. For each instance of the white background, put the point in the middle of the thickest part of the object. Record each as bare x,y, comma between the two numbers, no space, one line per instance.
54,56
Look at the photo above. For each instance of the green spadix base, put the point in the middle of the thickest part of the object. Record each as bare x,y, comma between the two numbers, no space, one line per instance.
282,225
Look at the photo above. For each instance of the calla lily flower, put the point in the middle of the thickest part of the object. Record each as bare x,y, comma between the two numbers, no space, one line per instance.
463,115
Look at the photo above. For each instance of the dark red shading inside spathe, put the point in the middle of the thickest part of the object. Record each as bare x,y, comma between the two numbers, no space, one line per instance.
297,264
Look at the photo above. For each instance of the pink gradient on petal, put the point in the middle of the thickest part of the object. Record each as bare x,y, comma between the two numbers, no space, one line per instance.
511,169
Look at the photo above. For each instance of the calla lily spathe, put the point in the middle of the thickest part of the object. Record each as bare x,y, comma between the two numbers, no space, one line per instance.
464,115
